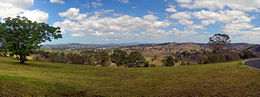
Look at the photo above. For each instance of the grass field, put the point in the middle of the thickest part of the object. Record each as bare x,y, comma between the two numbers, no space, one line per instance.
52,79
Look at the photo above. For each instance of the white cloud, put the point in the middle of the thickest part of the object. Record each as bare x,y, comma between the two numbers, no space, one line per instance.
226,16
35,15
123,1
73,14
96,4
245,5
150,17
238,26
57,1
181,15
12,8
185,22
207,22
121,26
171,9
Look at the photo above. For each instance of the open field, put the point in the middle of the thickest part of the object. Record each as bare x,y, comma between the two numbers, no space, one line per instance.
52,79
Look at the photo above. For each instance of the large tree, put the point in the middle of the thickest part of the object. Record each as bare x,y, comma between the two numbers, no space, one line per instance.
22,36
219,42
135,59
118,57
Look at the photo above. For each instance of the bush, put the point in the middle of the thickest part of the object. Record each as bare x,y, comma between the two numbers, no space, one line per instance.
103,58
72,58
146,64
204,60
168,61
89,57
183,63
152,65
247,55
217,58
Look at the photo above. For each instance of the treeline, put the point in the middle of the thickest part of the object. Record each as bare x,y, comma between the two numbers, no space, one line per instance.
89,57
227,57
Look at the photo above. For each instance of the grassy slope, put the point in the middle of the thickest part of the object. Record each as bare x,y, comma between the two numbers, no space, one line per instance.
51,79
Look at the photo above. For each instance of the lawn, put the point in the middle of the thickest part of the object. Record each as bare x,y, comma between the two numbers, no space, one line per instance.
54,79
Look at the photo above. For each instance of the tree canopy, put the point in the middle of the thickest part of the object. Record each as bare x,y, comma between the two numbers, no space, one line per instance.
219,42
21,36
135,59
168,61
118,57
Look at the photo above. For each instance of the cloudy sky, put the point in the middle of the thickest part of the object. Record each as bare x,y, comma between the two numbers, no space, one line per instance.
146,21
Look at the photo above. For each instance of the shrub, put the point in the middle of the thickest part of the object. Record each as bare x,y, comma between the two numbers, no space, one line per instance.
183,63
72,58
103,58
89,57
146,64
152,65
168,61
204,60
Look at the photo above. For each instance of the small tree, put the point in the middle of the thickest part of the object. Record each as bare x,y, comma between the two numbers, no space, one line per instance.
135,59
89,57
72,58
168,61
22,36
219,42
102,58
118,57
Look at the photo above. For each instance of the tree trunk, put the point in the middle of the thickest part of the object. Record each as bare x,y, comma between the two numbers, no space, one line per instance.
22,59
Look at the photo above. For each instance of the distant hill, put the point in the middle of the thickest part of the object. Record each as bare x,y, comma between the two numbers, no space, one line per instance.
86,46
236,46
254,48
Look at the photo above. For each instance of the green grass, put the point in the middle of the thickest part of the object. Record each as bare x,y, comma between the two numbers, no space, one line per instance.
53,79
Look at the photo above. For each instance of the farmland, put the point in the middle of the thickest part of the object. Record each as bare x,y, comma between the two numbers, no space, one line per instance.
55,79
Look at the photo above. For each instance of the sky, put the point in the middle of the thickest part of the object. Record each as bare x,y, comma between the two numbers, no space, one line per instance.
143,21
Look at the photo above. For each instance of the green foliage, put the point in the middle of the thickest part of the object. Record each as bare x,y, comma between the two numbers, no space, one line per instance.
118,57
72,58
152,65
183,63
135,59
204,60
219,42
216,58
102,58
240,63
89,57
20,36
247,54
168,61
146,64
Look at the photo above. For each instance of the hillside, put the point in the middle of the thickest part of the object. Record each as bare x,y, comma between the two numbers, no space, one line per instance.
255,49
52,79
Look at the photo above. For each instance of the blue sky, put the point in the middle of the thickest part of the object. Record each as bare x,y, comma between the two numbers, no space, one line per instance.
145,21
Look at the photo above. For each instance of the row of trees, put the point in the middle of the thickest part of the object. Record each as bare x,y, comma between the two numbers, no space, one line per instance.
102,58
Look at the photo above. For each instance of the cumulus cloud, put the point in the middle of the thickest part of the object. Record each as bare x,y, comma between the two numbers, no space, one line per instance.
171,9
57,1
245,5
73,14
35,15
12,8
112,27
